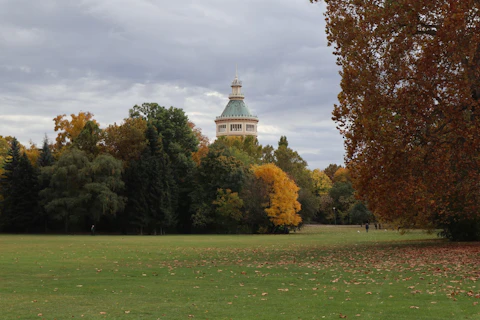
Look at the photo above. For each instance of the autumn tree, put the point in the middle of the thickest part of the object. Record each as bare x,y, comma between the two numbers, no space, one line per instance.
282,207
296,167
203,143
127,140
409,108
68,130
321,186
331,169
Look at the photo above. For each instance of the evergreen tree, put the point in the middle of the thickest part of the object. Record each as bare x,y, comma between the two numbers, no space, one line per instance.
46,157
18,186
7,185
151,188
177,141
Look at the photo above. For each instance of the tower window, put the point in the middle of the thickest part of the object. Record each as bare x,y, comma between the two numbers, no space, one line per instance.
250,127
222,128
236,127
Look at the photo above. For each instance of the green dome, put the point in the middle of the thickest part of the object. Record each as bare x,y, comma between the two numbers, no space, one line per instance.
236,108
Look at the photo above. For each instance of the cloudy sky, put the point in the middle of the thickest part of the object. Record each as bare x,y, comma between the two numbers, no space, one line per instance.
104,56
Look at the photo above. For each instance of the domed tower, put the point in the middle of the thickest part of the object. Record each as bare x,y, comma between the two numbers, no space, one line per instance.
236,119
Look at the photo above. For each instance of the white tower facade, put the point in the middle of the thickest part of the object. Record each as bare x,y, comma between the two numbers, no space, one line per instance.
236,119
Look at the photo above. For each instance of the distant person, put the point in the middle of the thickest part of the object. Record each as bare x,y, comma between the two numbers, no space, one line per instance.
366,226
375,224
92,229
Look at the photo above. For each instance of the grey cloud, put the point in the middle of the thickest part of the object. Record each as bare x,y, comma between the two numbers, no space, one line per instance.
104,56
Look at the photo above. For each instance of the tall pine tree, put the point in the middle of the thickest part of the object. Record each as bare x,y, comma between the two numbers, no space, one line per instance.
18,186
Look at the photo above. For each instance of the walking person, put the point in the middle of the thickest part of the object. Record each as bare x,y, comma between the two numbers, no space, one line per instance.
366,226
92,229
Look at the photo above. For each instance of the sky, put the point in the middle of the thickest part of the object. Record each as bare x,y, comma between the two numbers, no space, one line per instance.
104,56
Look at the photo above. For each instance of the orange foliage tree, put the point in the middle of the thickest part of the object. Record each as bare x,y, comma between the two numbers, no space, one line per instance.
409,108
282,207
203,143
68,130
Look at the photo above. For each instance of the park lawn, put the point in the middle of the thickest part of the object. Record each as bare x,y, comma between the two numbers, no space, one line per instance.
319,273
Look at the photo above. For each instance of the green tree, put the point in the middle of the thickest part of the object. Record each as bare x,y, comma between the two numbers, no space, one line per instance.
178,142
220,169
89,138
46,157
66,199
228,209
104,188
18,186
151,188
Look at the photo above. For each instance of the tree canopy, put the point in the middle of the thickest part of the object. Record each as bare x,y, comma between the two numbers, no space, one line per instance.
409,107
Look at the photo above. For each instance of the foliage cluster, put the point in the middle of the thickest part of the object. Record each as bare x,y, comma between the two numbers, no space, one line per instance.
156,172
409,108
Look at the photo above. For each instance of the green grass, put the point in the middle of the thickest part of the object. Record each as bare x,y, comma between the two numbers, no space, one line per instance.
318,273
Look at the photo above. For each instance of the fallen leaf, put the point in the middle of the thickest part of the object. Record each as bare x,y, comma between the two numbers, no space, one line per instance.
414,307
264,293
103,312
127,311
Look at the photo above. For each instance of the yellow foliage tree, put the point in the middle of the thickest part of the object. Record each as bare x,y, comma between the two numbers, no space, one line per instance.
321,181
70,129
283,207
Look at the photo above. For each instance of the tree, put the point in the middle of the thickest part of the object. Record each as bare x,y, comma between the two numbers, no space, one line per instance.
331,169
322,182
88,139
409,107
126,141
45,158
343,199
203,143
68,130
282,207
65,198
178,144
18,187
220,169
228,211
293,164
103,190
152,190
342,175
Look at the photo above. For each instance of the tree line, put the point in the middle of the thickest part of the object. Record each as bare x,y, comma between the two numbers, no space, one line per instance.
156,173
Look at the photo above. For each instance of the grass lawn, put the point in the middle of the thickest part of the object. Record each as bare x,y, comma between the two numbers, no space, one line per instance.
318,273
